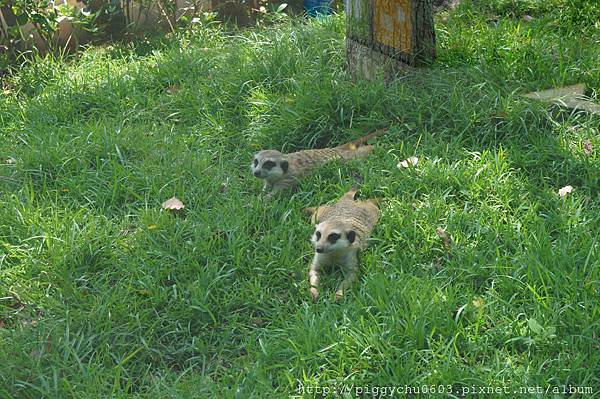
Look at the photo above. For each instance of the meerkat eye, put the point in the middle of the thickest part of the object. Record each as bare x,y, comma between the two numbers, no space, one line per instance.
284,166
255,162
333,237
318,235
351,236
269,165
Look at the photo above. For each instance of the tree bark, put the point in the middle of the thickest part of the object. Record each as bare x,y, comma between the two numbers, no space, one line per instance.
386,36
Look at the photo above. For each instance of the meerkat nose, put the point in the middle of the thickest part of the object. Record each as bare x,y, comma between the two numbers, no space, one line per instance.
320,250
257,173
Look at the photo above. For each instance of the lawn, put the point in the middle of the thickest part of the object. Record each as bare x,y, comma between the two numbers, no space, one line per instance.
104,294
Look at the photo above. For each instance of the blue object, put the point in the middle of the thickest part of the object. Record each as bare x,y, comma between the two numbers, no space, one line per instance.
314,8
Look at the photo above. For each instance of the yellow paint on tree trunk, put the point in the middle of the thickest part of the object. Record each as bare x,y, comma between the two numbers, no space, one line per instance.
392,24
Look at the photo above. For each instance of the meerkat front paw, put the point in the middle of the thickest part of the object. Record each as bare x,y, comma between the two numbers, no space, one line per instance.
314,293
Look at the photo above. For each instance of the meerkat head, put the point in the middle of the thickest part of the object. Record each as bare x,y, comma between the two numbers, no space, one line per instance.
332,236
268,164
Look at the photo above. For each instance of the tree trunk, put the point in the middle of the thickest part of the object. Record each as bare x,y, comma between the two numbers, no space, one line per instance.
385,36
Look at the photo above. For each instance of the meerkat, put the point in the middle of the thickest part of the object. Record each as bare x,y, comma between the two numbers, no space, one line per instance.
282,171
341,232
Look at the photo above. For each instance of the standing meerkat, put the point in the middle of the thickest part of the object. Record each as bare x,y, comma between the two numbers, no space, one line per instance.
281,171
341,231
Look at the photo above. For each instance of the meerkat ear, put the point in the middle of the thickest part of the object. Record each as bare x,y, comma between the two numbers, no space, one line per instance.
284,166
351,235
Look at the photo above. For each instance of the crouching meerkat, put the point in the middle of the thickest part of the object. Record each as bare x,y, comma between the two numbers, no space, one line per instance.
341,231
281,171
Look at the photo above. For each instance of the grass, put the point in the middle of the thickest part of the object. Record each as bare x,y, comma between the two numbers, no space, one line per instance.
104,295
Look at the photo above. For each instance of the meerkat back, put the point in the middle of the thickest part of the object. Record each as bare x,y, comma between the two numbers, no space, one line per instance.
360,214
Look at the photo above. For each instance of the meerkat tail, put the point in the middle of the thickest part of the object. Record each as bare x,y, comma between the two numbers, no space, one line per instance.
363,151
352,193
353,145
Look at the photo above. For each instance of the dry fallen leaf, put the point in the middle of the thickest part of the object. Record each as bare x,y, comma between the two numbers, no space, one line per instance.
412,161
224,187
565,190
559,93
587,147
568,96
445,237
173,89
173,204
8,160
478,302
258,322
6,92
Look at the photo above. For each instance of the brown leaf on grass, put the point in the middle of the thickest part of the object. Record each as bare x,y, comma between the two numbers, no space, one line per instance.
565,190
224,187
258,322
173,204
173,89
559,93
478,302
446,240
568,96
6,92
587,147
8,160
412,161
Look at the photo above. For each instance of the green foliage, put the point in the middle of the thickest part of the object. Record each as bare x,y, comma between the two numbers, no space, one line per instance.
516,8
44,19
561,14
36,12
579,14
102,294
